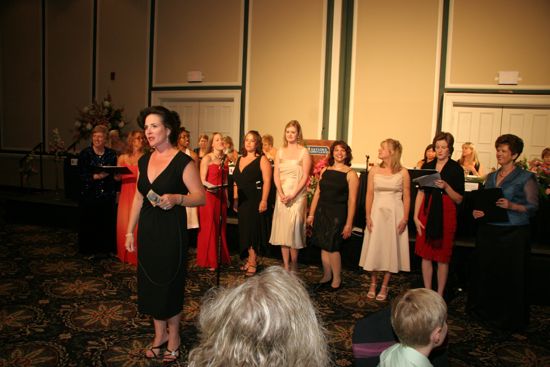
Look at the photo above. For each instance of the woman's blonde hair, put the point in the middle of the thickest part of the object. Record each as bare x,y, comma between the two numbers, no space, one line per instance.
130,141
474,153
299,137
396,150
269,320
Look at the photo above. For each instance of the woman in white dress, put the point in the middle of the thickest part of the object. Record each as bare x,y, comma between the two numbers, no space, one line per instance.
291,172
184,139
386,241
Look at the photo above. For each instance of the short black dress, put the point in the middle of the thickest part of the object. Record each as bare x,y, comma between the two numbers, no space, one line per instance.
253,226
331,212
162,238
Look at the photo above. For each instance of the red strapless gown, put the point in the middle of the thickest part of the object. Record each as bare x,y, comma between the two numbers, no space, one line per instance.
209,216
127,191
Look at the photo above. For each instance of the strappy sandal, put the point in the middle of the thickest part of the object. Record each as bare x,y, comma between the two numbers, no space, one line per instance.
251,271
245,266
151,348
372,291
170,356
382,295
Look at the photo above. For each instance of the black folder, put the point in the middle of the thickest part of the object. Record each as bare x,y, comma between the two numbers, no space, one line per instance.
114,170
485,200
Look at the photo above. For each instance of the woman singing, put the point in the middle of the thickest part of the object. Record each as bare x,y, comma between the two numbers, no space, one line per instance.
435,213
214,171
252,177
169,181
332,210
498,291
386,242
292,167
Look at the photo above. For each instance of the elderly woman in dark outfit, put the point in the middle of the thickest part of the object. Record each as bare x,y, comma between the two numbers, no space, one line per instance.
97,196
498,293
435,213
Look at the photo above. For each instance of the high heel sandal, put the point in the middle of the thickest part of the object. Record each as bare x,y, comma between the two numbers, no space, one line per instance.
170,356
251,270
372,291
382,295
151,348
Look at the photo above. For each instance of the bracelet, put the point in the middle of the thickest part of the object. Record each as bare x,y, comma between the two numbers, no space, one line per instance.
129,234
311,216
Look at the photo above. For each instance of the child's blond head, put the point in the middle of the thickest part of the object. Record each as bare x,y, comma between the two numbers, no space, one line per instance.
416,314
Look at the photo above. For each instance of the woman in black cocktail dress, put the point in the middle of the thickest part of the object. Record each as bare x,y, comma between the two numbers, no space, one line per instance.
252,177
168,182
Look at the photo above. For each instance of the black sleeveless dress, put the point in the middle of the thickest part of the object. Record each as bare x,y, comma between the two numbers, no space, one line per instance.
253,226
162,238
331,212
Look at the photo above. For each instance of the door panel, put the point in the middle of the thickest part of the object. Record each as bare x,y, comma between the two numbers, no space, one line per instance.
532,125
480,126
189,117
217,117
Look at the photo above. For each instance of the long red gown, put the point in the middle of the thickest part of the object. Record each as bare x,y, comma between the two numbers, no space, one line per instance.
125,199
209,217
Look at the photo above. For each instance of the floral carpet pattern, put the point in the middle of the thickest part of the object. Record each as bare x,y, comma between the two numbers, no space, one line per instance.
58,308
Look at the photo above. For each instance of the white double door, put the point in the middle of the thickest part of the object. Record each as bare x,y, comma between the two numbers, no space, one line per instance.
483,125
206,117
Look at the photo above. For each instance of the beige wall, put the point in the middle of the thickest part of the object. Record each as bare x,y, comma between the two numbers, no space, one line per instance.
497,35
203,35
395,61
21,77
285,66
395,76
122,48
68,64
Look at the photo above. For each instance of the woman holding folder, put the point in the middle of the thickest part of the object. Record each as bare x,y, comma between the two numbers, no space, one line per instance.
435,213
498,293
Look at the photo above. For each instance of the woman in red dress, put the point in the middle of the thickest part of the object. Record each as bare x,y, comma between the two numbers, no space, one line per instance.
134,151
214,166
435,213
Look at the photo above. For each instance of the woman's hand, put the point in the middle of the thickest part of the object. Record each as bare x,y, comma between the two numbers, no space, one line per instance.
402,225
419,226
441,184
236,205
100,176
168,201
309,220
346,233
129,243
369,224
263,206
478,214
504,203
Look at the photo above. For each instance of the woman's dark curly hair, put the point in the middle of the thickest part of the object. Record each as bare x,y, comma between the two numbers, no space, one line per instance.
346,147
170,120
515,143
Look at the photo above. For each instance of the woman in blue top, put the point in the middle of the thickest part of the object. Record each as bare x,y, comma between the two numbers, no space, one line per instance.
498,293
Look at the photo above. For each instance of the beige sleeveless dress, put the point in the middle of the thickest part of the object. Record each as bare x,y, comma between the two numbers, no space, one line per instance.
289,221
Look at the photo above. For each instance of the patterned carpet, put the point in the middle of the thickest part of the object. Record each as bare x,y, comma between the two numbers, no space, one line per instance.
58,308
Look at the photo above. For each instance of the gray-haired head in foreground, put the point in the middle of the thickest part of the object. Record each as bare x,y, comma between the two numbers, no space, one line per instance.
269,320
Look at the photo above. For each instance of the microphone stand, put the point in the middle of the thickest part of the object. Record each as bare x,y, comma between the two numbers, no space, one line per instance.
220,223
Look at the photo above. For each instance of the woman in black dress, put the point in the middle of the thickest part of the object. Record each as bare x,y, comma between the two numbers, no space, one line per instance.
332,210
168,183
252,177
